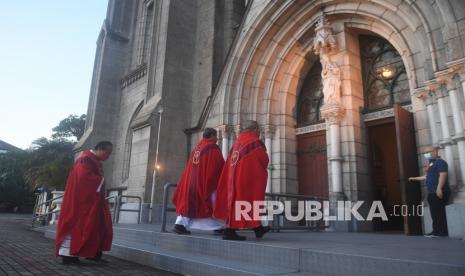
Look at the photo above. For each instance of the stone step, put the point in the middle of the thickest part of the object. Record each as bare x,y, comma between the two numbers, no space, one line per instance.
288,254
249,251
190,263
131,234
331,263
304,260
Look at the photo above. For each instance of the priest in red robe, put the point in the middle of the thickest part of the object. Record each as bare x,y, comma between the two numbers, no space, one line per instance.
84,226
243,179
194,194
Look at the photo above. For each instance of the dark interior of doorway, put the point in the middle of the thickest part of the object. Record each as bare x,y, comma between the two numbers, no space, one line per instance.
384,173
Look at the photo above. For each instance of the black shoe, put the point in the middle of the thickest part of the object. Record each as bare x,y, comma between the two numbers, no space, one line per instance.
231,235
218,231
98,258
181,230
68,260
260,231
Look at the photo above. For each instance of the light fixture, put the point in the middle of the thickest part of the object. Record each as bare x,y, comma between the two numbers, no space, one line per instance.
157,167
387,72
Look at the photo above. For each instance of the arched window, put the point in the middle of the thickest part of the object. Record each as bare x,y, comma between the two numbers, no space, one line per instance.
128,145
310,98
145,32
384,78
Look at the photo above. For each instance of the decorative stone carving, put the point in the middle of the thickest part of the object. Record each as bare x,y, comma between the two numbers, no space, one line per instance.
445,82
421,93
431,86
457,67
333,113
331,76
324,44
324,41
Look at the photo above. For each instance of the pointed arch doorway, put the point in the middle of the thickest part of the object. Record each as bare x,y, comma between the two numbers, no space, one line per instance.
392,155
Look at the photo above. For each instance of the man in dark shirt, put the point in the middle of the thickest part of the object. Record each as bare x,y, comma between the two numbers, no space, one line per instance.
438,191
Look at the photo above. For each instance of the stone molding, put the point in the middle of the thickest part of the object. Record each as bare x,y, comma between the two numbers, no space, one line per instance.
385,113
443,80
310,128
134,76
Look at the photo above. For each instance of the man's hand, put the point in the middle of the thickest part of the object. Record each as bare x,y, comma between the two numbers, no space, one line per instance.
439,192
418,178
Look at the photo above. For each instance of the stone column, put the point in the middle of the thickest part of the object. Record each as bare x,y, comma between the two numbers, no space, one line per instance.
428,98
269,131
462,80
224,132
459,136
325,45
460,197
233,136
446,141
333,115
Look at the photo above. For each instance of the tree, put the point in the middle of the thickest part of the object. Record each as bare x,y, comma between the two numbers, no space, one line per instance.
72,126
49,163
46,163
13,189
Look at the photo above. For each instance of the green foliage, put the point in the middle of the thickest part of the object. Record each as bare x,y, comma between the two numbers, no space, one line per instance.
13,189
47,162
72,126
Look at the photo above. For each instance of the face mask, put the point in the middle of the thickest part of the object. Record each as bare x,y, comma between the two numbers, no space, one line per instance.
428,155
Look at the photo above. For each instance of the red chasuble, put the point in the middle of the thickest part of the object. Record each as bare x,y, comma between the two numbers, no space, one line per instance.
243,179
199,180
84,214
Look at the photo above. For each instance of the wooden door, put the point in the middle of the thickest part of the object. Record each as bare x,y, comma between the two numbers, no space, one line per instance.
312,164
408,166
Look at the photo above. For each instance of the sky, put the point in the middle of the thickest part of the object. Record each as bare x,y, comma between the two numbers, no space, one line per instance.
47,50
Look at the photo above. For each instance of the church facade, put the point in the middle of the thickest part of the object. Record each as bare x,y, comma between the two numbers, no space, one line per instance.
348,95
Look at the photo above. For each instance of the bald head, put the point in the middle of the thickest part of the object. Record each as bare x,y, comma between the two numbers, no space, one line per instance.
250,125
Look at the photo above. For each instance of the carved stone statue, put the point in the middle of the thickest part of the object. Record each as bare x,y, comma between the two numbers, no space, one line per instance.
331,76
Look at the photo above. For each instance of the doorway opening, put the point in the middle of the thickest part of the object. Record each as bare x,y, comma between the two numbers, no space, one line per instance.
392,156
384,168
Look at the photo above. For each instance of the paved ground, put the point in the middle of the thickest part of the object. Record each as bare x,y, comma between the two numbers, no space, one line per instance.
25,252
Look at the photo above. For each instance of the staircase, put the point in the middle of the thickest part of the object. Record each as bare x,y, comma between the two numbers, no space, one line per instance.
298,253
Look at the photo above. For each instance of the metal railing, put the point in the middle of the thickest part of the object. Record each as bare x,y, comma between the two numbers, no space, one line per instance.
276,224
165,207
115,207
278,219
37,214
119,203
49,211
